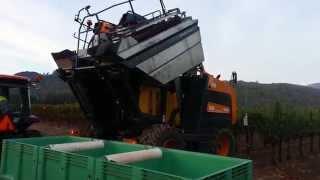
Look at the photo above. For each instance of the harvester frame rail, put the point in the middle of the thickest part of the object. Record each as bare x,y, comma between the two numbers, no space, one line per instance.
82,23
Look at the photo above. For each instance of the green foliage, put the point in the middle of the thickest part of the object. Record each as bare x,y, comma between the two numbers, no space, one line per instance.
68,113
283,122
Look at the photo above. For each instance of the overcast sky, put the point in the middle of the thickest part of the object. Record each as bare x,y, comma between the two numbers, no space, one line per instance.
263,40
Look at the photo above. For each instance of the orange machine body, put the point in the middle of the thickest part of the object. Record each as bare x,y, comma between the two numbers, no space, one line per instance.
6,124
226,88
150,102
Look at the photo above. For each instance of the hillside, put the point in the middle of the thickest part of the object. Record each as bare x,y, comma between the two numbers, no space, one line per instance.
316,85
52,90
49,90
255,94
33,76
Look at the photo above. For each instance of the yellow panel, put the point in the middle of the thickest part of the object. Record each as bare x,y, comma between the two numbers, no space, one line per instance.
149,100
150,103
172,107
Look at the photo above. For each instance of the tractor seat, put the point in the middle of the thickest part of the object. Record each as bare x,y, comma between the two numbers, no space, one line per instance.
130,19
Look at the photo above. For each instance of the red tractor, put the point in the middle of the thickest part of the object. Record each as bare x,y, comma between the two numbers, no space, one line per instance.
15,107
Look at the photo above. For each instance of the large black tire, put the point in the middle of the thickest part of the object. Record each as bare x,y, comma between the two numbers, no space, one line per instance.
223,143
162,135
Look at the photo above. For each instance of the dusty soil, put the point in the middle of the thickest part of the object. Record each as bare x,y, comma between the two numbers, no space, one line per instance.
56,129
298,168
304,168
50,129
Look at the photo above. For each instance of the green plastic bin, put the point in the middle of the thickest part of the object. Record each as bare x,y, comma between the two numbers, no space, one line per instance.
28,159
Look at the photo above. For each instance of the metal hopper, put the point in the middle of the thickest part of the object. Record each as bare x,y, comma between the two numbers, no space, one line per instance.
162,44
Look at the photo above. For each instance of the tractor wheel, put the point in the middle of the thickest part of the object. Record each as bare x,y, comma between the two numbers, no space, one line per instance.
162,135
224,143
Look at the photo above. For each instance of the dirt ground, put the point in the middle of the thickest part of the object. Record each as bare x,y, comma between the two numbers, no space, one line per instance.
296,168
299,168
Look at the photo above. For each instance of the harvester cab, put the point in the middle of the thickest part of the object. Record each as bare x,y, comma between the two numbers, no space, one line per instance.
145,75
15,112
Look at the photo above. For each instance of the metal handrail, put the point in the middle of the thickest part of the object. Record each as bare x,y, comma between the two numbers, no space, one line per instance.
77,19
115,34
